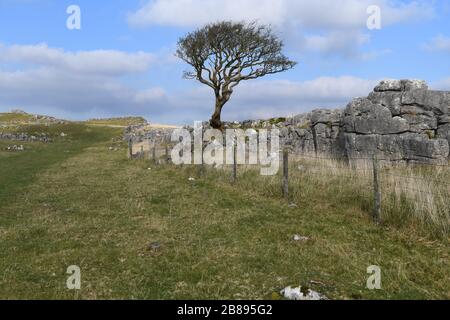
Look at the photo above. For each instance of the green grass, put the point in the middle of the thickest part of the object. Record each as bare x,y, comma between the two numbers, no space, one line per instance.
15,117
93,208
18,170
125,121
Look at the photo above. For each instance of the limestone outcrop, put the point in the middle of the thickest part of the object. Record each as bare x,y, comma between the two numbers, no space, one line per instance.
400,121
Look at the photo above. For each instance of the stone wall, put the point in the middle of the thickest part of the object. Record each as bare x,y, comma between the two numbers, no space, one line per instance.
140,133
24,137
400,121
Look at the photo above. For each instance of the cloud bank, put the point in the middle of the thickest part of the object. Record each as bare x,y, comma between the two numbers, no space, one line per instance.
88,83
439,43
326,14
83,84
327,26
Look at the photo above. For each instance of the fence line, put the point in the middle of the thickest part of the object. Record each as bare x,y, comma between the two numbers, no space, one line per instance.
374,174
286,174
417,178
350,159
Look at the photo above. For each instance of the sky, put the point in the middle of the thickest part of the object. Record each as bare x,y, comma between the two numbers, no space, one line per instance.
121,62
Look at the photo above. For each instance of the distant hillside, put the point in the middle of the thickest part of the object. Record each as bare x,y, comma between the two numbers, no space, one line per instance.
19,117
122,121
15,117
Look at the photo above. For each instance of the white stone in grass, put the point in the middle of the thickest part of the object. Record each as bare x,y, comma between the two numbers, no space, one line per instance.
154,246
191,179
300,238
297,294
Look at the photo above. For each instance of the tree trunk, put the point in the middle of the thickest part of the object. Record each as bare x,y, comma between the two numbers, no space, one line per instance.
216,122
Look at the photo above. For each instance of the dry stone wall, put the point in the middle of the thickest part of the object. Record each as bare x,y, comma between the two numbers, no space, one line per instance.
400,121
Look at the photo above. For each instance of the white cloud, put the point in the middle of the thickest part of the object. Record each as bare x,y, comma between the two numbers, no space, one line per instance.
41,78
326,14
442,84
326,26
439,43
283,98
266,99
149,95
197,12
99,62
345,43
75,94
47,87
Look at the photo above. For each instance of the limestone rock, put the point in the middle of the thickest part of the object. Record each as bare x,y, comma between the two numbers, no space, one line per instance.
400,85
364,117
389,85
401,121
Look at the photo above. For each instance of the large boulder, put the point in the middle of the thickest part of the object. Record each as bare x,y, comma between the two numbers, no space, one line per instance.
404,147
401,121
363,117
400,85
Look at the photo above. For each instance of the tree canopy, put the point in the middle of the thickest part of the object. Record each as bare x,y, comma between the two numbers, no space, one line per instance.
224,54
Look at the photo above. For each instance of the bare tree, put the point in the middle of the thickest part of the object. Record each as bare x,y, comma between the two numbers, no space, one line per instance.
225,53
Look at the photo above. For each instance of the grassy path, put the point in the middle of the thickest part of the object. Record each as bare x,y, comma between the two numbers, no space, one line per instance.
17,170
97,210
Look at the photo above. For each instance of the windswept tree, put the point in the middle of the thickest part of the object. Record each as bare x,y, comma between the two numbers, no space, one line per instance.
224,54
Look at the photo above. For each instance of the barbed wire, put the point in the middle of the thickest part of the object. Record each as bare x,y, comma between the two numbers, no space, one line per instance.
332,157
350,169
337,157
317,172
307,168
359,177
342,158
352,173
403,189
416,178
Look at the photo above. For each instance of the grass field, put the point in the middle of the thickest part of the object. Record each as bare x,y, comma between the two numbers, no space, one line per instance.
8,117
124,121
75,202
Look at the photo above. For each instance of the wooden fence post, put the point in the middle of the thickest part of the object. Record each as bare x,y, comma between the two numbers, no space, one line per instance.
142,153
130,148
201,168
167,154
149,150
154,153
377,191
286,173
235,161
181,155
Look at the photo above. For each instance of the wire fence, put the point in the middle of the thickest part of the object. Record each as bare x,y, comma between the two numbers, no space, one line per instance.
425,185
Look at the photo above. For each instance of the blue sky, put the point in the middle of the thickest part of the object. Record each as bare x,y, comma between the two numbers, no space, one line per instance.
121,61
